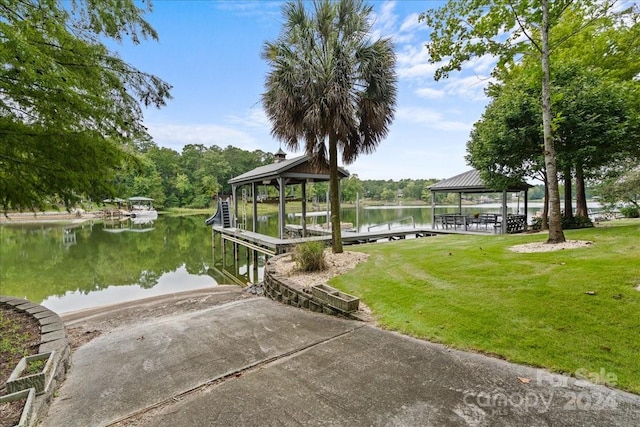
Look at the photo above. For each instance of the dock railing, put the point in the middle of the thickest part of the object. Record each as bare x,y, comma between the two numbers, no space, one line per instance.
389,223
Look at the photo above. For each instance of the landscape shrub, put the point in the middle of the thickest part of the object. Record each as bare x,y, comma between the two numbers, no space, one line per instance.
309,256
536,224
630,212
576,222
572,223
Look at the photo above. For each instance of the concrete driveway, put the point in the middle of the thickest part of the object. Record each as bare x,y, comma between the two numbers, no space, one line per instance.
222,358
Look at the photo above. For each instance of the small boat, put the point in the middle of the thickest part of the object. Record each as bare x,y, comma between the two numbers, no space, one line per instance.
142,207
131,224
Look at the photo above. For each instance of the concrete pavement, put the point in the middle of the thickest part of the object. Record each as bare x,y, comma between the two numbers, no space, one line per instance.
254,362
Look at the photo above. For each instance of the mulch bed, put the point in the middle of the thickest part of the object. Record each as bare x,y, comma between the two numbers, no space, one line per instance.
10,413
20,336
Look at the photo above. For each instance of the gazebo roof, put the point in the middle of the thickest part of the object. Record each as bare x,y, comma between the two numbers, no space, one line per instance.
296,170
471,182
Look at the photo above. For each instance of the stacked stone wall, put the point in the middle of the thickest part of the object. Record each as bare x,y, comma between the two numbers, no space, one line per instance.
280,288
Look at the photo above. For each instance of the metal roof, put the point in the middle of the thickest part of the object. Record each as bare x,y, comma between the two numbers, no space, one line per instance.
297,170
470,182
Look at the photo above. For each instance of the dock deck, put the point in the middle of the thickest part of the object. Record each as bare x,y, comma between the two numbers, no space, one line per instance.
274,246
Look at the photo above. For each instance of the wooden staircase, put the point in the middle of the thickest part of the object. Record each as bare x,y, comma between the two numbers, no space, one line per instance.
226,214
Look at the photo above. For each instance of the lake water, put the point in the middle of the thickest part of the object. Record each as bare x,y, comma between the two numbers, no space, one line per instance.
73,267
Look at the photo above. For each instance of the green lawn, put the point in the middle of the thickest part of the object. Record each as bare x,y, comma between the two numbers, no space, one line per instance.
472,293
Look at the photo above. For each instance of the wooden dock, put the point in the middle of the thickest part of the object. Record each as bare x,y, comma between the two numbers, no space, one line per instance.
274,246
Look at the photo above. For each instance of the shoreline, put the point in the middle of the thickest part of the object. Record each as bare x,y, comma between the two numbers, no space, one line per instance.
82,315
47,217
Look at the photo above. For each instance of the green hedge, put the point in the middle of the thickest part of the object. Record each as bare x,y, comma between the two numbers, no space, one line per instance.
630,212
572,223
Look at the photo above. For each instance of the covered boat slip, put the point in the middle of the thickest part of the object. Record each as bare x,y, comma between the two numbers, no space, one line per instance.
471,182
297,171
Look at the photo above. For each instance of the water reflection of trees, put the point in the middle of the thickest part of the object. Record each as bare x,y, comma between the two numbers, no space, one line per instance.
37,264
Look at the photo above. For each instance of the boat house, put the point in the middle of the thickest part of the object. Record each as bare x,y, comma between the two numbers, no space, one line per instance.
297,171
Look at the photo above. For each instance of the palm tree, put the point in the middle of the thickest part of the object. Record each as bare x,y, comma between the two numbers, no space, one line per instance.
330,86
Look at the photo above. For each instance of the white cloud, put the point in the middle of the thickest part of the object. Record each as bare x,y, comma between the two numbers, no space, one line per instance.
430,118
413,63
470,88
260,9
411,23
427,92
176,136
384,22
483,64
393,164
255,118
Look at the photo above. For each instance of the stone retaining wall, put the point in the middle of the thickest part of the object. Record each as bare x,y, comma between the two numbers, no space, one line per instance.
278,288
53,337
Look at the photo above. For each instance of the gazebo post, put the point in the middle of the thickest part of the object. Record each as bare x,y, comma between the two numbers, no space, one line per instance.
235,205
503,226
254,188
433,210
526,210
281,210
460,203
304,209
235,219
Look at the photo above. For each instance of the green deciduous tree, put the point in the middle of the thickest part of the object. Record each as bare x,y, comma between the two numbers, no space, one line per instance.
536,30
240,161
462,30
147,181
167,162
69,107
505,144
351,187
330,86
595,109
621,187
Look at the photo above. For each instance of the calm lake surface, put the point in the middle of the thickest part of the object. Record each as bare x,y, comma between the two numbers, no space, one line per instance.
73,267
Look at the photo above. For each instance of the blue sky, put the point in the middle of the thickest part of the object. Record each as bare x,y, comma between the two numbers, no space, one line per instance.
210,52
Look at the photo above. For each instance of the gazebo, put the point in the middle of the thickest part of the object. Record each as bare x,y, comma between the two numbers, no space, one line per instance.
299,170
471,182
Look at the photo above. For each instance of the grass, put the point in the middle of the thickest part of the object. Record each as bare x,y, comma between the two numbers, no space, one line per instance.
34,366
19,337
472,293
12,341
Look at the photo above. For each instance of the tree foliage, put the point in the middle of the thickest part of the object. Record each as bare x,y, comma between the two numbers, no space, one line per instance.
462,30
623,186
595,106
505,145
330,86
69,108
190,179
467,29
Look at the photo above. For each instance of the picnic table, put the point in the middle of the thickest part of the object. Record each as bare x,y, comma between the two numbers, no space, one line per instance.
488,221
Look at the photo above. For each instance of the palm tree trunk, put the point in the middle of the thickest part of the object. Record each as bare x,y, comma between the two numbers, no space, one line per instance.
555,221
334,195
